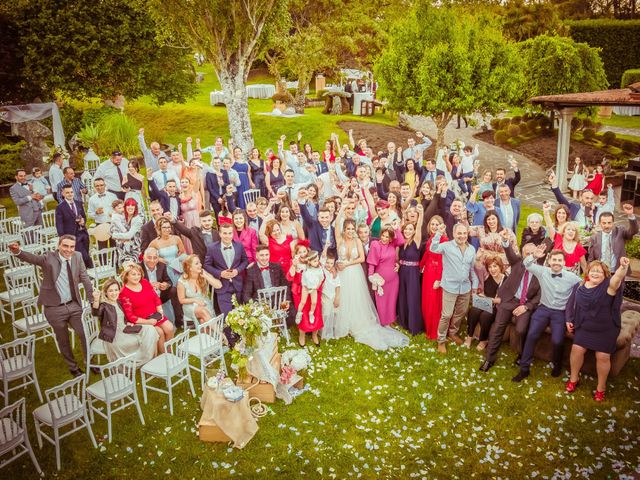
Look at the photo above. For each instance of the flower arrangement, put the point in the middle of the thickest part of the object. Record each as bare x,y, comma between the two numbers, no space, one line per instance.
59,149
293,361
251,321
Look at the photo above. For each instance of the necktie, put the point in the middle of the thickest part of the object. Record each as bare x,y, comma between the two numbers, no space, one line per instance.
554,275
289,192
164,177
525,287
325,233
73,209
72,287
119,173
607,254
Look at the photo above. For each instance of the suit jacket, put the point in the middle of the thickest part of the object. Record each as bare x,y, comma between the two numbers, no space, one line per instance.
163,277
214,188
66,220
197,238
321,167
619,235
425,172
509,287
574,207
162,197
214,264
511,182
51,265
253,281
315,231
29,210
515,205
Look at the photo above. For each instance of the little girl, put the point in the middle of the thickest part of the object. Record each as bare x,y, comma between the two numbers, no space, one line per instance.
330,295
312,278
596,185
578,182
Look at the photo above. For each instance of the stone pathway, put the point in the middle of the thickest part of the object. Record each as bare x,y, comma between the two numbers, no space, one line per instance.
621,131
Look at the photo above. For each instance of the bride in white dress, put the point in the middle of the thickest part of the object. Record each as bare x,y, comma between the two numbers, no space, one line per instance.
356,314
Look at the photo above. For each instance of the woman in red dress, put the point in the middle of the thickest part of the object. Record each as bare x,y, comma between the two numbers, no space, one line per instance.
141,304
294,275
567,239
431,266
280,245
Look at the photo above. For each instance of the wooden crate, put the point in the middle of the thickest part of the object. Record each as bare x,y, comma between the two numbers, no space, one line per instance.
263,391
210,432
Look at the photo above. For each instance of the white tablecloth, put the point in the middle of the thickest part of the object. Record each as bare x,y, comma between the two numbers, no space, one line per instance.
357,98
216,97
261,91
626,111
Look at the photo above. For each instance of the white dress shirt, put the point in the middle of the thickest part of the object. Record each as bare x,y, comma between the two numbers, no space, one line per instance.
55,175
507,214
101,200
109,172
160,175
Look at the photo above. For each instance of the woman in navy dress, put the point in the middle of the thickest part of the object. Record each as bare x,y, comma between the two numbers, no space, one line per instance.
593,314
409,307
257,172
275,179
242,167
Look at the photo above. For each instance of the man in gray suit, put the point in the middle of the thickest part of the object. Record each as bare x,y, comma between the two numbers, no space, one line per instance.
28,202
608,245
62,271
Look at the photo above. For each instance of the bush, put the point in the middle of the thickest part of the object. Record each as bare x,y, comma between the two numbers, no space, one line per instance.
629,147
608,138
588,133
495,123
513,130
523,128
504,123
500,137
118,131
532,125
95,115
544,122
630,76
280,97
9,159
576,123
618,39
597,126
72,119
619,163
89,137
516,120
587,123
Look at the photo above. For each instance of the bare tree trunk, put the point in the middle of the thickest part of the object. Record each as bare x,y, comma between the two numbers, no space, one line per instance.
235,94
301,93
441,121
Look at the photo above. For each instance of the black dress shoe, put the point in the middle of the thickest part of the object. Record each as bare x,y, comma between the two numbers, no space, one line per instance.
517,360
77,372
486,366
557,370
522,374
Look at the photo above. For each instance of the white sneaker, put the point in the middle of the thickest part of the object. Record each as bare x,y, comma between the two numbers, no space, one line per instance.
298,318
311,318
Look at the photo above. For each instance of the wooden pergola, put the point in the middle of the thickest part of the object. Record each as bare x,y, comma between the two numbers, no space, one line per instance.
567,104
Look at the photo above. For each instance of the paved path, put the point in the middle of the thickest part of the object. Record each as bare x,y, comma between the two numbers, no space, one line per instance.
621,131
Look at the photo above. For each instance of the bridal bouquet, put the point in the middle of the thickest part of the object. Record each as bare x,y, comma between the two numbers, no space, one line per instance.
293,361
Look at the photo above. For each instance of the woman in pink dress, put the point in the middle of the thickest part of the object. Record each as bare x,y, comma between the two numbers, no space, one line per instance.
383,261
244,234
191,204
294,275
431,268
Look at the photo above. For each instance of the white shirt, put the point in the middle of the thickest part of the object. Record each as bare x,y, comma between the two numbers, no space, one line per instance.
176,168
55,175
159,178
104,201
109,172
606,251
507,214
62,282
292,190
466,161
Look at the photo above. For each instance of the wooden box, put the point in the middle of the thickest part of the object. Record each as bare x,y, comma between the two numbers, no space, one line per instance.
210,432
263,391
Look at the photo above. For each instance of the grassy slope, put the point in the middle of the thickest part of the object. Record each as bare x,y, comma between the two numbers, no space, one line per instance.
399,414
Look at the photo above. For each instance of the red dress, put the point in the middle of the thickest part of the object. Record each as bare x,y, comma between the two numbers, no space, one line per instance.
431,265
281,252
570,259
140,304
296,292
595,185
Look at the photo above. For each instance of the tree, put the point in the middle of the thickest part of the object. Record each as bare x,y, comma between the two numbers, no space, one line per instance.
93,48
441,62
523,20
231,35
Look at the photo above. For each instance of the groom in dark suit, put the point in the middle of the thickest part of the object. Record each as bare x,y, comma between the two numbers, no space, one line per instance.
319,231
226,260
71,220
262,274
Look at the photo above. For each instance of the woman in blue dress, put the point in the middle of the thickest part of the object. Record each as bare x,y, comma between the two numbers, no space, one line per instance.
257,172
409,305
240,166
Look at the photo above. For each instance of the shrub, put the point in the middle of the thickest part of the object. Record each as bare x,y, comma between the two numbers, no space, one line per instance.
95,115
588,133
629,147
513,130
630,76
619,163
89,137
280,97
495,123
544,122
608,138
619,41
587,123
504,123
532,125
500,137
523,128
72,119
576,123
597,126
118,132
516,120
526,117
633,247
9,160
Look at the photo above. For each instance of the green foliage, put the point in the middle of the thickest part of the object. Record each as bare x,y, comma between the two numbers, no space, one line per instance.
587,123
620,164
608,138
513,130
89,136
633,245
588,134
523,20
516,120
630,76
554,65
532,125
118,131
495,123
9,160
281,97
523,128
619,41
99,48
71,119
576,123
504,123
501,137
95,115
629,147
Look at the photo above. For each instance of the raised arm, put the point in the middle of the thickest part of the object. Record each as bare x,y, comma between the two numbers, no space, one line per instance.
436,246
618,277
629,232
418,235
546,211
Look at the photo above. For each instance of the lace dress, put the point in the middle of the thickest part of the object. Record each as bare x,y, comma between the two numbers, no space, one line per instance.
191,215
189,309
143,344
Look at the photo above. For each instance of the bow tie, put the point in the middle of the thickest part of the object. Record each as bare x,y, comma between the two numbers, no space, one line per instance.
24,184
554,275
100,195
227,248
262,269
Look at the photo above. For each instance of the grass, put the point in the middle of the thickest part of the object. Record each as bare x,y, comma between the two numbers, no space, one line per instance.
621,121
398,414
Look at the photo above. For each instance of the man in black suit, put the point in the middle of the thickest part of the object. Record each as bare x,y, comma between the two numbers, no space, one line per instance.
216,183
320,231
511,182
71,220
608,245
430,173
168,196
519,294
262,274
255,220
201,237
157,274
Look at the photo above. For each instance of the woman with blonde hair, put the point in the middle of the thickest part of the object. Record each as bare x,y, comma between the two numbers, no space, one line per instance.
192,290
567,239
170,248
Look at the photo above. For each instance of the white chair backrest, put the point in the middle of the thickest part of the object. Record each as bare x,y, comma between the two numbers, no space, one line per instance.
20,283
179,353
119,377
210,333
67,400
49,219
90,325
104,259
3,213
13,425
251,195
11,226
33,314
17,354
15,262
273,296
31,235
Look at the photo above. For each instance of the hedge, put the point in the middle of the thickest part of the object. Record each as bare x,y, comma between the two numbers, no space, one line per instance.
630,76
619,41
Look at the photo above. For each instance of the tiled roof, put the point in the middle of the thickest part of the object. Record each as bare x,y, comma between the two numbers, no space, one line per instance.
622,96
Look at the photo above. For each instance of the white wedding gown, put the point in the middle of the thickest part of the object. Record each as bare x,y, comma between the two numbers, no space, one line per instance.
357,316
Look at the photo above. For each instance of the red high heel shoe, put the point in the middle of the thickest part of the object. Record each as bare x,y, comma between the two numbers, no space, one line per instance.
570,386
598,396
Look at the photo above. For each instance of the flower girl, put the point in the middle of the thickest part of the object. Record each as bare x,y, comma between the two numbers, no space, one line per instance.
312,277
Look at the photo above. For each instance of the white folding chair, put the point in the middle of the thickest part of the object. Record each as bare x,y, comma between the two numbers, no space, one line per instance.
118,385
95,346
14,264
251,195
21,286
31,235
34,323
274,297
10,229
173,363
17,362
14,437
104,265
49,230
66,405
207,346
